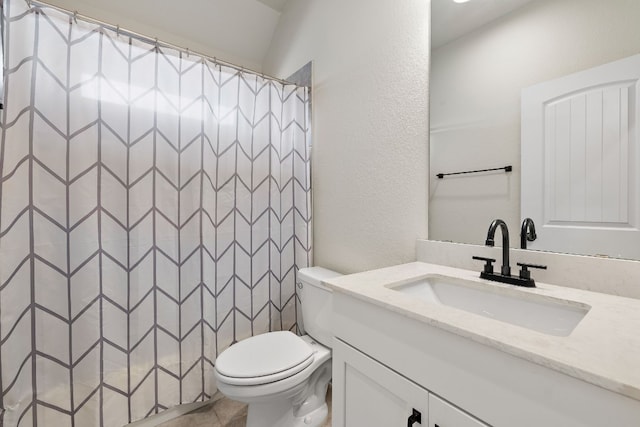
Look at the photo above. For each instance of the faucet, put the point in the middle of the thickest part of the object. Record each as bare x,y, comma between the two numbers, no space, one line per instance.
527,232
505,269
522,279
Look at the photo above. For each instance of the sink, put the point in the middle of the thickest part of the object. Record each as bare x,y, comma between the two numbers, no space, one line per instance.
543,314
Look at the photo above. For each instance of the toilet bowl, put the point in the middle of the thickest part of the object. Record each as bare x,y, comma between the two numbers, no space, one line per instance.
284,377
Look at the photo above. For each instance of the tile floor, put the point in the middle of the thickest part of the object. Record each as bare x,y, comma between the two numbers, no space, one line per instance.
223,413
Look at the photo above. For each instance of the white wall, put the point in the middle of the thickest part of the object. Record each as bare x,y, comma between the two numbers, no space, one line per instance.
370,124
475,101
237,31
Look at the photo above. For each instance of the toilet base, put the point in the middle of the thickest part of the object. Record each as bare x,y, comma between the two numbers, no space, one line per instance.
304,406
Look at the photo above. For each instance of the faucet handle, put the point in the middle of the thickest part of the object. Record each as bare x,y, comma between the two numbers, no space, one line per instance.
524,271
488,266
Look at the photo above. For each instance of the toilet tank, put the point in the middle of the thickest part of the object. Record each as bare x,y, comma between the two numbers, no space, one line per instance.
316,303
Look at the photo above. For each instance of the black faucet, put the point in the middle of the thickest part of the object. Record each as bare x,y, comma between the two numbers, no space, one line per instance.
524,278
527,232
505,269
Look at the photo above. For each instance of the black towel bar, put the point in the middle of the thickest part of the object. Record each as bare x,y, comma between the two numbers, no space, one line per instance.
505,168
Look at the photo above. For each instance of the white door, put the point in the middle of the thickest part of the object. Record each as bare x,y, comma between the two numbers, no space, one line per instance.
367,393
580,161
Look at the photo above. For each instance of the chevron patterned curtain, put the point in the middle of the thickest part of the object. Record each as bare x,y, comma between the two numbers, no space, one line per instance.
154,209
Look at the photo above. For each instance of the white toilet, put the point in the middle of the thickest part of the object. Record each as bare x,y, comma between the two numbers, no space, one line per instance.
284,377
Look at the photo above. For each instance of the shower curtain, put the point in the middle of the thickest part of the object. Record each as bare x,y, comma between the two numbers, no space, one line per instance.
154,209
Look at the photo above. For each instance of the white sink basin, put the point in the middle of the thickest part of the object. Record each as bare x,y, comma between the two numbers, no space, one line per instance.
542,314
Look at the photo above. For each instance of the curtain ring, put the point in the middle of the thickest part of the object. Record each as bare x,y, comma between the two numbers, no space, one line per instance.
75,16
117,30
187,52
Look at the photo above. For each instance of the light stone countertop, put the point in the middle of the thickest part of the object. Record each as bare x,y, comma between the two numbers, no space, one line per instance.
603,349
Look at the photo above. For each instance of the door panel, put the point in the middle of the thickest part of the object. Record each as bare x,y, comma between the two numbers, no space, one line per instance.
367,393
443,414
580,161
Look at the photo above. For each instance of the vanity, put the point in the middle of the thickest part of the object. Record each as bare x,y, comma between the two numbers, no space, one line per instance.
430,343
421,344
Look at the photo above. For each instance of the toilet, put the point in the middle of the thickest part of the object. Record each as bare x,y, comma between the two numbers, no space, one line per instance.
284,377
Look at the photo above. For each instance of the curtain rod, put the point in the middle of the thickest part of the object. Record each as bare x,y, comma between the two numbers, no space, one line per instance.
146,39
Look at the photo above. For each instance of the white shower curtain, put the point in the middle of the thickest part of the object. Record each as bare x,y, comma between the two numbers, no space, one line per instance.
154,208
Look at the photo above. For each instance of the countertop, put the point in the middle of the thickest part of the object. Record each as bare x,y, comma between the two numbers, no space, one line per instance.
603,349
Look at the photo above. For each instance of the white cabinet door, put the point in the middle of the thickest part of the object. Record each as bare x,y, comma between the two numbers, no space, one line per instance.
443,414
367,393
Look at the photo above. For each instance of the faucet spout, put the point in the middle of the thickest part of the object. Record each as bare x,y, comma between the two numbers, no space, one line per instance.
527,232
505,270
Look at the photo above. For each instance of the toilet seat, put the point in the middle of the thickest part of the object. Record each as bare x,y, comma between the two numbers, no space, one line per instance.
264,359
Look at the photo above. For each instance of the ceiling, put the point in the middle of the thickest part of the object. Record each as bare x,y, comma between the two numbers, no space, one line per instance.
450,20
240,31
277,5
237,31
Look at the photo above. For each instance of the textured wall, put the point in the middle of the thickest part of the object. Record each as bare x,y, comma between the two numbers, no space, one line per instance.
475,101
370,122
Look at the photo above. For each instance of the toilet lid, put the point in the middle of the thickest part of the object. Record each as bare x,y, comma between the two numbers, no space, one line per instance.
265,355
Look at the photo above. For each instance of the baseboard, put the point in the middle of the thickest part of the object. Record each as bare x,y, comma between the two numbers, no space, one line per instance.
171,413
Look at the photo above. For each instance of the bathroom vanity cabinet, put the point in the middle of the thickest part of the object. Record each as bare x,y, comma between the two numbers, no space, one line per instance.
372,394
390,359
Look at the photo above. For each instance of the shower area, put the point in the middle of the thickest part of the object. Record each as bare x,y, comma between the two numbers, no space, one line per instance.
154,209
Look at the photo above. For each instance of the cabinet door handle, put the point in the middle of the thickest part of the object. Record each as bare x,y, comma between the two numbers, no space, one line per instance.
415,417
